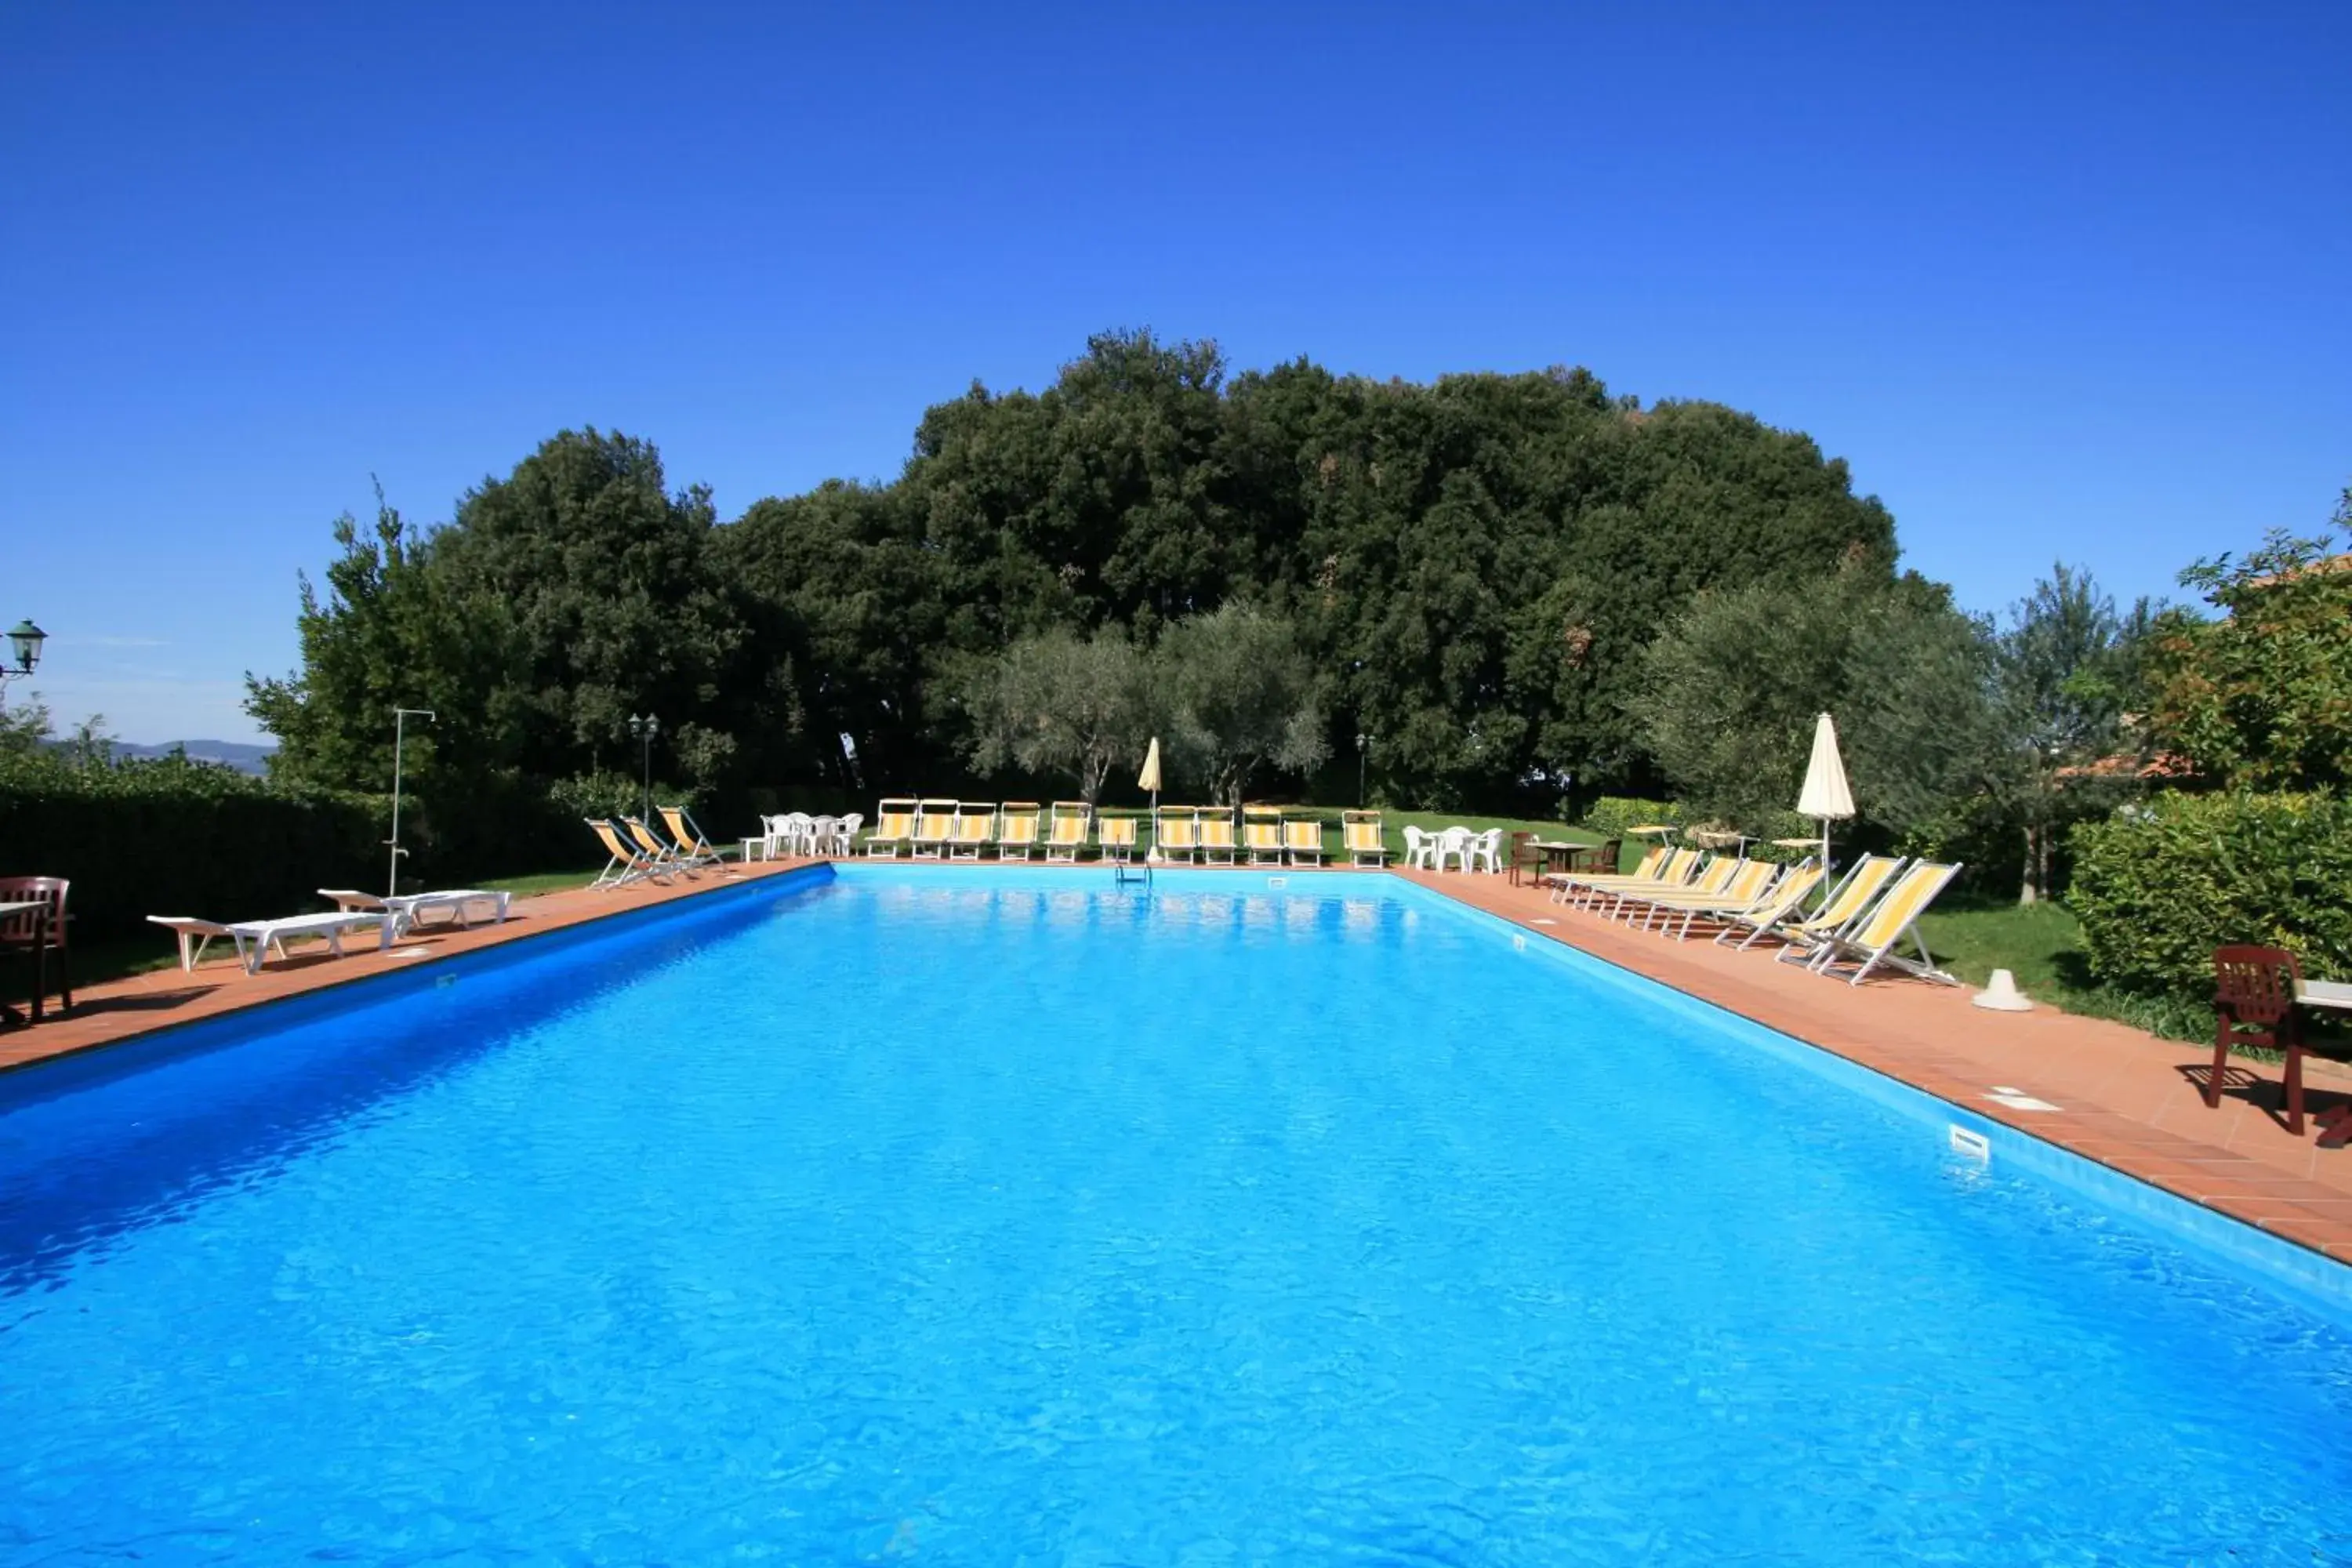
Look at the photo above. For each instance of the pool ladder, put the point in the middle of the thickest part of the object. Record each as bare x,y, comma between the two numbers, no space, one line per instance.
1124,873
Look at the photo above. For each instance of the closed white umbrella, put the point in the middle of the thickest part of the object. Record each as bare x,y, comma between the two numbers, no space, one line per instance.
1825,796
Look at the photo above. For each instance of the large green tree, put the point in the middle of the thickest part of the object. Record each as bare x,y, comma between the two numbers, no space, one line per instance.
1471,571
847,612
1474,566
557,602
2066,661
2262,696
1730,692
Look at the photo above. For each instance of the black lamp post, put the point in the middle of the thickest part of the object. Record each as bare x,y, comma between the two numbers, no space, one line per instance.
1363,750
25,640
644,729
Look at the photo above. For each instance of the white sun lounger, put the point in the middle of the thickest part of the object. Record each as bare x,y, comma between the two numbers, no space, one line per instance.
254,939
465,905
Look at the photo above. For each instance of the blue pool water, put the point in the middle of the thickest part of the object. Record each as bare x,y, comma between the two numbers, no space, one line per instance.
931,1217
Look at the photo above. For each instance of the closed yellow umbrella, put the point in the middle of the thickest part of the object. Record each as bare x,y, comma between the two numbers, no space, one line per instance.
1150,779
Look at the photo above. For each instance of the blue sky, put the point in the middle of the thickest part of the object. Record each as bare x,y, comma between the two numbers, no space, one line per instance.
2059,281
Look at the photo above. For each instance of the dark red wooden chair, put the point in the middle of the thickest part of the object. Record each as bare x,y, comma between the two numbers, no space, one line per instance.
1602,857
41,941
2254,1004
1527,864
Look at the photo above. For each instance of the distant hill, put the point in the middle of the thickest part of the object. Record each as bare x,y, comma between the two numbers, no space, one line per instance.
245,758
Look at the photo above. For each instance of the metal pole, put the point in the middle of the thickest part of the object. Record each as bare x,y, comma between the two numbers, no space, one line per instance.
399,738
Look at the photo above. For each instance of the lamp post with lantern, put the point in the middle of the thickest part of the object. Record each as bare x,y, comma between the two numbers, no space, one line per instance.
643,730
25,640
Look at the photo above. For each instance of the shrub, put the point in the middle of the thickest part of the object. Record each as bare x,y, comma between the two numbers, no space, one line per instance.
2159,887
610,794
170,836
1612,815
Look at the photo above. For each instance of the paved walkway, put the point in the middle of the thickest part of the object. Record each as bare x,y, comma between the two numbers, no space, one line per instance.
2122,1097
162,998
2118,1096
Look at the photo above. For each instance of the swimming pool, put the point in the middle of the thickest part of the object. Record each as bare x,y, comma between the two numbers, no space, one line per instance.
982,1216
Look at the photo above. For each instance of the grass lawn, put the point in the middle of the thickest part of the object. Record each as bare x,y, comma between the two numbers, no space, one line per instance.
2042,945
100,962
540,882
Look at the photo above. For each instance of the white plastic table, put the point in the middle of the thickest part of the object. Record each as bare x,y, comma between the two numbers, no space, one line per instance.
2336,996
2332,994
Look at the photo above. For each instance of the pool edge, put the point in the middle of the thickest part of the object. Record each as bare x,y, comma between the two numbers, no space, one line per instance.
344,981
2313,1276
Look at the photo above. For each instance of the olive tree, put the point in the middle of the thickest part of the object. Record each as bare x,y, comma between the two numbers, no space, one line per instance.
1057,703
1242,692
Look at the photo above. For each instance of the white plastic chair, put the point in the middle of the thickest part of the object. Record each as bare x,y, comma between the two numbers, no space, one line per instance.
1453,843
1420,850
844,832
823,831
1483,852
795,834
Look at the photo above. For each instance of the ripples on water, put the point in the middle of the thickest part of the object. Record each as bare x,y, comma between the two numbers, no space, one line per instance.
929,1218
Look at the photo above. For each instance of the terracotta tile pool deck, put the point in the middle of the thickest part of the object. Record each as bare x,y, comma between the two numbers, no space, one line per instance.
2122,1097
165,999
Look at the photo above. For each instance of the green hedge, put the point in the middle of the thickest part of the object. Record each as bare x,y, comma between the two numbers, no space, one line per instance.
1612,815
2160,886
170,836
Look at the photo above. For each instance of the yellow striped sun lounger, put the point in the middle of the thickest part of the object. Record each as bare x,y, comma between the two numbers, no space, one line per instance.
1745,886
1117,836
974,829
934,821
1658,864
1803,939
1783,900
1364,838
1871,939
894,827
693,849
1176,833
1016,829
1715,874
628,863
662,854
1216,830
1065,834
1262,834
1302,840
